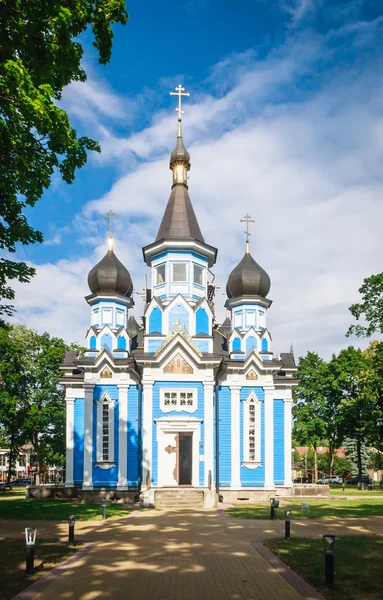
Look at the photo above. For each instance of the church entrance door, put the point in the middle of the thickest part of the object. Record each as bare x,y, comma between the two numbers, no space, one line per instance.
185,458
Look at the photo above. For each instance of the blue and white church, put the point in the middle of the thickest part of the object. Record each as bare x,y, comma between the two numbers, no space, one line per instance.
178,406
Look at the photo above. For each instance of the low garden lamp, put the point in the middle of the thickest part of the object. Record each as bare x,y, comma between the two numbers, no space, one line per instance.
329,543
30,540
287,524
72,520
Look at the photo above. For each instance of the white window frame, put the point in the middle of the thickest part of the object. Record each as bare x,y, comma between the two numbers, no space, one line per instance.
201,270
178,407
163,266
185,264
120,318
238,320
96,317
251,318
252,401
105,398
106,311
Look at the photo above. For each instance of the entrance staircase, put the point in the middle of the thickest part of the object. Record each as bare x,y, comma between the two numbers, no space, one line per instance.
179,498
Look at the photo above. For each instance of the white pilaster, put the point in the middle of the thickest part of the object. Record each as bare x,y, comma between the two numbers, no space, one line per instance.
288,402
269,439
147,440
88,438
123,437
235,437
69,438
209,431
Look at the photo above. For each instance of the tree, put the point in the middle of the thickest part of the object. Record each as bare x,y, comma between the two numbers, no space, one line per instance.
314,412
36,405
39,55
351,452
354,386
371,308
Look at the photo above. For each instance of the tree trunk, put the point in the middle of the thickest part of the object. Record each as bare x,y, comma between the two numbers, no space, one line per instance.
359,458
315,465
11,458
332,456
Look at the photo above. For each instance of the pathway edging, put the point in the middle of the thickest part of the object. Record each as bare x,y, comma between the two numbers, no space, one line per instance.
306,590
39,585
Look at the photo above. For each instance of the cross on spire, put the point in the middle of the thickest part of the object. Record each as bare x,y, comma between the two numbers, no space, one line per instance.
180,91
110,215
247,219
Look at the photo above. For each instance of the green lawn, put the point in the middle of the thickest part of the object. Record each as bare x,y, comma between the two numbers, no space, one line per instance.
352,490
55,510
12,559
318,509
358,565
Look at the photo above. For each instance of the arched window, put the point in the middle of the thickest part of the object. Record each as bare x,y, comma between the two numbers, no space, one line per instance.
252,429
265,344
251,344
121,343
202,321
106,342
92,342
236,344
105,428
155,321
179,312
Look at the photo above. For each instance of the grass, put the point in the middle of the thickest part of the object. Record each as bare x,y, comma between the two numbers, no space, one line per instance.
358,565
55,510
352,490
12,559
319,509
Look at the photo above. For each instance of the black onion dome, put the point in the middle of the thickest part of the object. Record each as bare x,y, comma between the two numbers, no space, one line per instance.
110,276
179,153
248,279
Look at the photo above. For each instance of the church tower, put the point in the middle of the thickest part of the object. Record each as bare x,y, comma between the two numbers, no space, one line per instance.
178,406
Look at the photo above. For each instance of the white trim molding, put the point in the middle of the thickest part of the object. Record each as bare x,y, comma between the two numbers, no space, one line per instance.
88,437
235,436
252,431
123,437
209,429
69,442
147,432
269,437
288,404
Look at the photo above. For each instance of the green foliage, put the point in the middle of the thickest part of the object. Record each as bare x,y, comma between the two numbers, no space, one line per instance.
351,452
39,55
370,309
319,509
375,460
342,466
32,407
52,510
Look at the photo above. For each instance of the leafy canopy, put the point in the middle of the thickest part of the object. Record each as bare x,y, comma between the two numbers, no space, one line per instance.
39,55
371,308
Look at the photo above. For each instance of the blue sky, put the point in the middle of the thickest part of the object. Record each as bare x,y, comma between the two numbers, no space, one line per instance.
285,121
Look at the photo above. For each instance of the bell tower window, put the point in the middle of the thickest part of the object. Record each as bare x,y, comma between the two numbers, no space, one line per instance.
179,272
160,275
198,275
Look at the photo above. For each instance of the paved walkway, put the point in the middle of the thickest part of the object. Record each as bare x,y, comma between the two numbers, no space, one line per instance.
178,555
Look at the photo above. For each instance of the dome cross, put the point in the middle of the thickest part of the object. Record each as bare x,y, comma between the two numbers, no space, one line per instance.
180,91
247,219
110,215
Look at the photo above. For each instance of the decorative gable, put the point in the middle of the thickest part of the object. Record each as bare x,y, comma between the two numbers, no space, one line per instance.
178,365
251,375
106,373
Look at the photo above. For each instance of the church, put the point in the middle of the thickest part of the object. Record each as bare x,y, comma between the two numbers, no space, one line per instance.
178,406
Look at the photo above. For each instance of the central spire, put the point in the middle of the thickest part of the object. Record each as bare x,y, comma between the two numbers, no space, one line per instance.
180,157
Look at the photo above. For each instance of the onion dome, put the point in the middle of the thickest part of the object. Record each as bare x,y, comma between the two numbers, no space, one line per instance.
110,276
179,154
248,279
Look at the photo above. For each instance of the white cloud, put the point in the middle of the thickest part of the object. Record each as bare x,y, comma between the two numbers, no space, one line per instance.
55,241
305,164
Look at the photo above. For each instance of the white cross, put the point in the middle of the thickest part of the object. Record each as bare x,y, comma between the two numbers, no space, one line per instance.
110,215
247,219
180,91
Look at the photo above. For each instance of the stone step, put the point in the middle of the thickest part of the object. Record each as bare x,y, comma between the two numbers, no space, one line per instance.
172,498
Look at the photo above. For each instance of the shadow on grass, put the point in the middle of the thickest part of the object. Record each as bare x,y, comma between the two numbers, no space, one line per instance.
56,510
319,509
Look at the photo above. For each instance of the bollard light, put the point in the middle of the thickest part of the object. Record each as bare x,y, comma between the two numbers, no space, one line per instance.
72,520
103,511
30,540
329,542
287,524
273,505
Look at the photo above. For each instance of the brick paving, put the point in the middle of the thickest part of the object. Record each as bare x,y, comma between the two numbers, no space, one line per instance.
182,554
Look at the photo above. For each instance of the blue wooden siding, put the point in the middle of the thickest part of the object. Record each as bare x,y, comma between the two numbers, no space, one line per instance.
179,312
121,343
224,436
155,321
78,454
153,345
251,344
202,321
92,342
106,342
202,345
107,477
133,435
236,344
157,413
253,477
265,344
279,442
